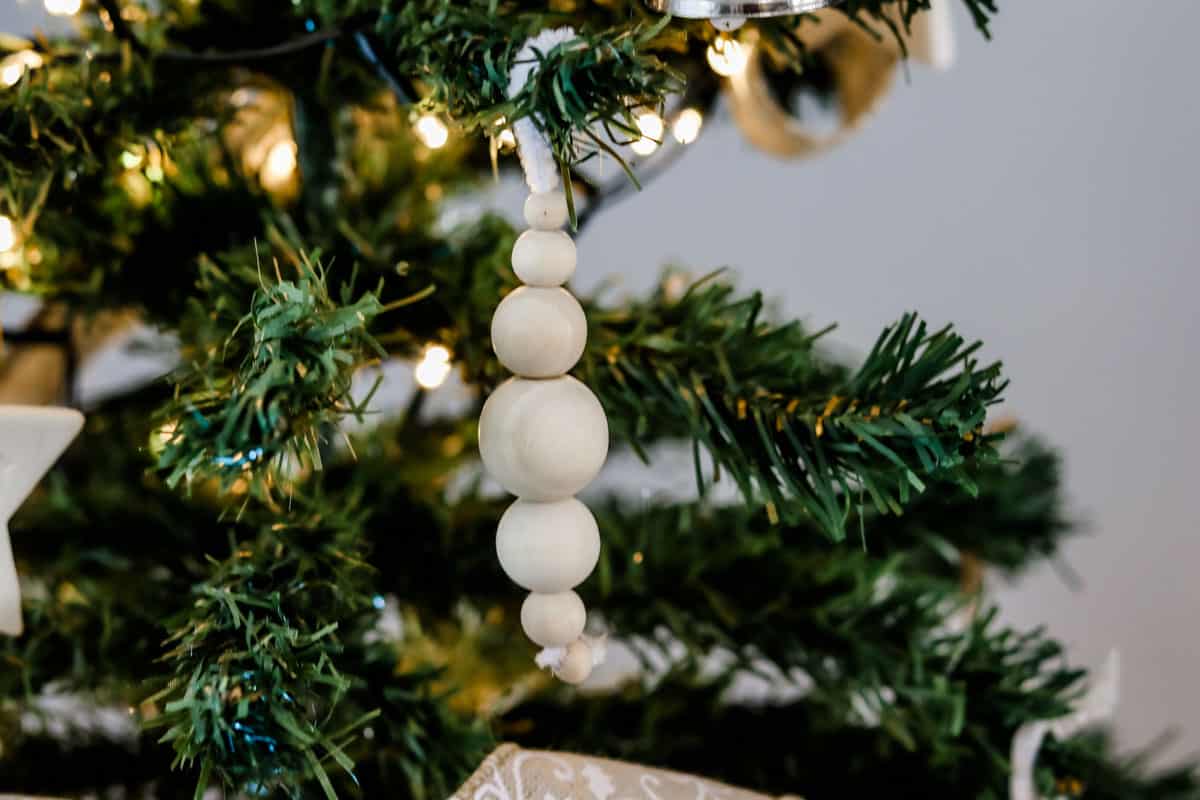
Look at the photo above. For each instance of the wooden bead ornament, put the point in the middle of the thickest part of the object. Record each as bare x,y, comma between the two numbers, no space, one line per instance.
548,547
539,332
553,620
544,439
544,258
576,664
542,434
546,211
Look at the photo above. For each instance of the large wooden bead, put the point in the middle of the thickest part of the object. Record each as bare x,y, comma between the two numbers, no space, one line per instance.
543,439
548,547
539,332
553,620
576,664
544,258
546,211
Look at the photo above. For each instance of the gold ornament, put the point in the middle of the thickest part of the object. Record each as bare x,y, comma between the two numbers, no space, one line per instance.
863,65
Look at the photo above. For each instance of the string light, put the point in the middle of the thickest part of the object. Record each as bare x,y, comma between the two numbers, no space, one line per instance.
727,56
506,140
433,368
133,157
279,166
63,8
651,126
12,67
686,128
8,234
432,132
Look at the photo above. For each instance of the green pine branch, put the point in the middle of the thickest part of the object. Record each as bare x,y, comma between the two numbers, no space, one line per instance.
795,434
281,375
253,662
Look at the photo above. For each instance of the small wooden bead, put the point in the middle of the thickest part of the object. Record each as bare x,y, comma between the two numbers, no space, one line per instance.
548,547
576,664
553,620
544,258
543,439
539,332
546,211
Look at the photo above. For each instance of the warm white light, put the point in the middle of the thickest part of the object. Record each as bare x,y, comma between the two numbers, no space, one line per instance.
132,158
279,165
507,140
432,132
651,126
162,436
433,368
63,8
727,56
8,234
644,146
687,126
13,66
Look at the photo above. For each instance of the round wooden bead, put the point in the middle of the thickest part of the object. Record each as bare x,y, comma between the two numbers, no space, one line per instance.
543,439
544,258
546,211
539,332
553,620
548,547
576,664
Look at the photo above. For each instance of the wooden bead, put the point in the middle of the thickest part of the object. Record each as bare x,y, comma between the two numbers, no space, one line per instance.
544,258
539,332
576,664
548,547
546,211
543,439
553,620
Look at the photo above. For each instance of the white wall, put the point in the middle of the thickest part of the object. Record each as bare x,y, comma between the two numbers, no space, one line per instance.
1044,195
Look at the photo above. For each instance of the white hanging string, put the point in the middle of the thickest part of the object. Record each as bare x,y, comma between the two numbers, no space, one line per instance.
1097,705
537,158
551,657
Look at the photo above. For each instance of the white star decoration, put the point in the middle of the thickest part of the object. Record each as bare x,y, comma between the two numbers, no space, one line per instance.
31,440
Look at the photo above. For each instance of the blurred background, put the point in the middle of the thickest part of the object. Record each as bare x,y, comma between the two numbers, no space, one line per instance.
1044,195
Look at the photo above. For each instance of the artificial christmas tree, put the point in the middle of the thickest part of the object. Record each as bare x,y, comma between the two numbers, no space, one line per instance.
243,578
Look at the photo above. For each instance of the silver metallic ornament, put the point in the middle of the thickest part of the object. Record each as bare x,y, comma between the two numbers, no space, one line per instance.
710,9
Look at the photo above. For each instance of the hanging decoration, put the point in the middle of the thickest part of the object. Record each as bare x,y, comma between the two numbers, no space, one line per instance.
543,435
1096,706
31,440
862,63
736,9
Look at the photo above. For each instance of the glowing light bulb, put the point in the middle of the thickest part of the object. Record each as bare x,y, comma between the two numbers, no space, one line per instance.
63,8
651,126
507,140
644,146
132,158
8,234
162,436
432,132
727,56
686,128
433,368
12,67
279,165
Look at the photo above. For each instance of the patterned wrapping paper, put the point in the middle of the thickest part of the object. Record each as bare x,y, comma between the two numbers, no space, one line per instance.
511,773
